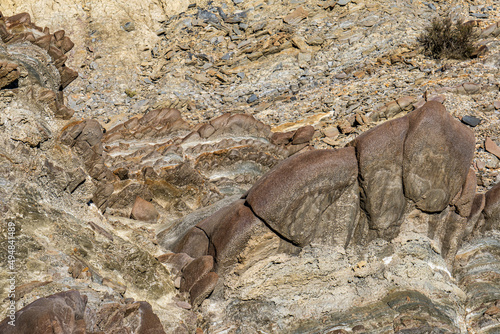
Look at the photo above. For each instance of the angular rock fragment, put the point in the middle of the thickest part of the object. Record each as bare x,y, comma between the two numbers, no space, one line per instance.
296,16
8,73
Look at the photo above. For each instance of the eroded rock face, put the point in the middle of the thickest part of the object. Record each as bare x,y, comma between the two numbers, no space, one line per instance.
380,155
311,197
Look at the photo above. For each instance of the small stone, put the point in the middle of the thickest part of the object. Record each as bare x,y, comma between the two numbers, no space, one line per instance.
330,141
129,26
480,164
241,75
331,132
177,282
144,210
227,56
296,16
496,104
343,2
480,15
184,305
341,75
493,310
492,147
252,98
471,120
303,135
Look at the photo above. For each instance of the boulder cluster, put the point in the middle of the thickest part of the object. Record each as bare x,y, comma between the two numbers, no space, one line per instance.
409,173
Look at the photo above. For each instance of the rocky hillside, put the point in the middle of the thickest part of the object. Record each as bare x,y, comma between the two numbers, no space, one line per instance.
247,166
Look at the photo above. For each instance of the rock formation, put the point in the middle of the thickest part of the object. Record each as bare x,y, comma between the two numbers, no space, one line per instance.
161,222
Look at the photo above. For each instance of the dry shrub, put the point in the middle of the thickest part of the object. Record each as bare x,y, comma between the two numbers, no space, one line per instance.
445,39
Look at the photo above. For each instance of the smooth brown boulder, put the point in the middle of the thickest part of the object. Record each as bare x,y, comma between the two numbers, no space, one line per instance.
203,288
144,210
282,138
194,243
228,230
380,155
437,155
303,135
195,271
310,197
62,312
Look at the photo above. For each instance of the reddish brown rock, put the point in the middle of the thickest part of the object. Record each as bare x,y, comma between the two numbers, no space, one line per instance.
492,147
228,230
203,288
282,138
303,135
194,243
311,197
466,199
62,312
150,323
380,155
67,76
437,154
195,271
144,210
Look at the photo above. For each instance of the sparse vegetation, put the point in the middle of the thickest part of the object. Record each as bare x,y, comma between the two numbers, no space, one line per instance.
445,39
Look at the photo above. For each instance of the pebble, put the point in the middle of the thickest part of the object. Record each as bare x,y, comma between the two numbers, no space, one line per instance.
252,98
471,120
184,305
343,2
129,26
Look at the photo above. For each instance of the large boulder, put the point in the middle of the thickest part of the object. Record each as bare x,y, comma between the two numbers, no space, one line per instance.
310,197
380,155
437,155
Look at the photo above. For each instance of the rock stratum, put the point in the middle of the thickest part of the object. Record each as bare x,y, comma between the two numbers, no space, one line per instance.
158,222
